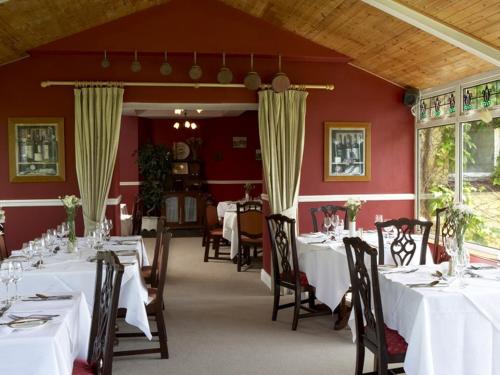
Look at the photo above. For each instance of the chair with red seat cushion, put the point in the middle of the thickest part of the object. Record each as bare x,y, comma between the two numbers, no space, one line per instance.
249,220
150,273
102,329
286,274
213,233
385,343
155,306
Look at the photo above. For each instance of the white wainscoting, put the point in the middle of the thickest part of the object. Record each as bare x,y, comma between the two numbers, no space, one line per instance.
265,278
47,202
364,197
210,182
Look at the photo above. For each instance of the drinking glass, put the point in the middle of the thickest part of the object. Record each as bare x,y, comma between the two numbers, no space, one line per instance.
339,229
327,223
39,252
17,274
6,277
379,218
91,239
388,230
60,232
461,265
99,240
28,250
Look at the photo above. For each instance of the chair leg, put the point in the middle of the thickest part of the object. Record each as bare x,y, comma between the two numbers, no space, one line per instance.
375,363
207,249
255,252
360,359
248,256
276,301
162,334
311,300
217,246
296,310
238,259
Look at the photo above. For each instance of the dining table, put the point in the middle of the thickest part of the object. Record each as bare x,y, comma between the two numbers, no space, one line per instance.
44,336
450,330
75,272
324,261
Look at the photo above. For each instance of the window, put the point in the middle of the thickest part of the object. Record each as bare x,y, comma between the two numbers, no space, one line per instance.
481,179
458,156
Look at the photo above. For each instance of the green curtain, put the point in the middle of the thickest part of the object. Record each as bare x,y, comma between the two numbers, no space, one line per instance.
98,113
281,129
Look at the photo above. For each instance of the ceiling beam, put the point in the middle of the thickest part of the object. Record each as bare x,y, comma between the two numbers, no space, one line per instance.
438,29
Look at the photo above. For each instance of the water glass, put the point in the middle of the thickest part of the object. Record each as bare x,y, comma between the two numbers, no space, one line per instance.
17,274
99,240
6,277
339,229
39,247
91,239
28,250
327,223
360,233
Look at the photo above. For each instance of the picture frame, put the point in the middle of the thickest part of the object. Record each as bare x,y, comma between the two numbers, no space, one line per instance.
36,149
180,168
347,151
239,142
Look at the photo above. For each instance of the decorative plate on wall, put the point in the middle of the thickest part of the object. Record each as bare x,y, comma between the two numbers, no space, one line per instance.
181,150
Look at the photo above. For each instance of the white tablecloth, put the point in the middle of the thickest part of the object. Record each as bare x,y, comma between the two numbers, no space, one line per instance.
223,207
230,231
72,273
448,331
51,348
326,265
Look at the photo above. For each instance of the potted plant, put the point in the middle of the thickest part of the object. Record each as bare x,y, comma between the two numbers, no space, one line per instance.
154,163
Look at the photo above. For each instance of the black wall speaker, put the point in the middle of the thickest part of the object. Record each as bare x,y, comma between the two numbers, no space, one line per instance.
410,97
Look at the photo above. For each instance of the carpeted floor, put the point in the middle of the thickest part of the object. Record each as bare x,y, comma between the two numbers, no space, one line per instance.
219,323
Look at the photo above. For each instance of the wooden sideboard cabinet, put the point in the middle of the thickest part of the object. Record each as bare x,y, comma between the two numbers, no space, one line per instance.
184,209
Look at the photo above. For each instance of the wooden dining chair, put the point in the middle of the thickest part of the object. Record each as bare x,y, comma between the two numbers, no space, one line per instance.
149,273
213,234
3,247
329,210
386,344
286,274
403,245
249,218
102,331
448,229
137,213
155,306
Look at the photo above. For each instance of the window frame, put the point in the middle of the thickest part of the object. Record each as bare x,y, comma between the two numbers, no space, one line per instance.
456,120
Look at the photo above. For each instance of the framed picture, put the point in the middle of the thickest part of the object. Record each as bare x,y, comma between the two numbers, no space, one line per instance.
180,168
239,142
347,151
36,149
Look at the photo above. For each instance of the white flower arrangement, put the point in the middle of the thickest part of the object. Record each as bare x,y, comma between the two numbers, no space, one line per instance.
70,201
461,215
353,208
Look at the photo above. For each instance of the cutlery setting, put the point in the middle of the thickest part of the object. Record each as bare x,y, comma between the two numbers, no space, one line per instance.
43,297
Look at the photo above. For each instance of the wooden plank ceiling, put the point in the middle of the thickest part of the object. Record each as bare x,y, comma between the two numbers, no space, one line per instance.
374,40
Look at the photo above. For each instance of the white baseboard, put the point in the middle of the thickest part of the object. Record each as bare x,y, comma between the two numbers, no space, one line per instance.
265,278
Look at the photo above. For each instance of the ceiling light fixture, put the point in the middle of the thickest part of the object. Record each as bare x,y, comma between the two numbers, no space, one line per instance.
187,123
199,110
178,111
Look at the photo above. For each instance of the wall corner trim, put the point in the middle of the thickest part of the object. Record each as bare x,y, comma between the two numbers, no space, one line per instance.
265,278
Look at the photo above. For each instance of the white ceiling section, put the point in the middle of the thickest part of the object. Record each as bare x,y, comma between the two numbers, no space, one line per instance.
166,110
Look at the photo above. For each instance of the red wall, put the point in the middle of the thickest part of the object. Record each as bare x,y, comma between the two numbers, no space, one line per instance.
358,96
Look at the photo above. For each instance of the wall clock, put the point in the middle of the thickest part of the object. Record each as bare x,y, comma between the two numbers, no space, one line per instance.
181,150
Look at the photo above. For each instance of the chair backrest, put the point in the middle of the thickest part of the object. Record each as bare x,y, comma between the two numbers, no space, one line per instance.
249,217
163,263
137,213
328,210
107,292
366,295
283,247
403,245
161,226
448,229
211,218
3,247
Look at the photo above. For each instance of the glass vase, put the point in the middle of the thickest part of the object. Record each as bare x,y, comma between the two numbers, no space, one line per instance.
72,240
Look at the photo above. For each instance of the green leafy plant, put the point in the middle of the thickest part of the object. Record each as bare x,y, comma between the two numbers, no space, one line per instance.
155,167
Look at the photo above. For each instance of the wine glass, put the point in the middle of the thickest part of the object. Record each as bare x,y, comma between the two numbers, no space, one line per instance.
60,232
327,223
339,229
39,252
388,230
28,250
17,274
99,239
6,277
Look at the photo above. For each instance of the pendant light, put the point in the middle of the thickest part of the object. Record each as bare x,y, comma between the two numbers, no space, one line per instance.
136,65
280,82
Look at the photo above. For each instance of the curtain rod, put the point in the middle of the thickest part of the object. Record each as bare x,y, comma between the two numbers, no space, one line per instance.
44,84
